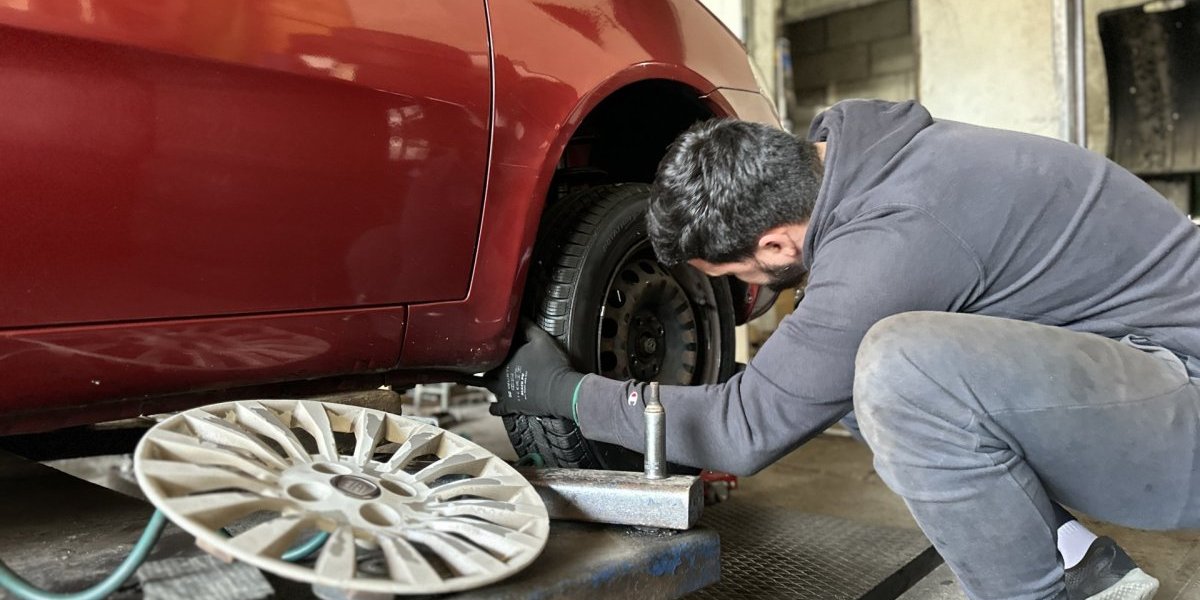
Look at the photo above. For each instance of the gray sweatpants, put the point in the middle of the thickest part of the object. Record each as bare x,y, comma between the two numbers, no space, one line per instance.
979,422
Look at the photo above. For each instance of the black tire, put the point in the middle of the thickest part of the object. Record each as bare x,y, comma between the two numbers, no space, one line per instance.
595,286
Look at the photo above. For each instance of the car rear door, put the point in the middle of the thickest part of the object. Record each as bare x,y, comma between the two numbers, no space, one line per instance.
167,159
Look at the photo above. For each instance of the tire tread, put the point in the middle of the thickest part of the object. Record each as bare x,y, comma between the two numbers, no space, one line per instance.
572,225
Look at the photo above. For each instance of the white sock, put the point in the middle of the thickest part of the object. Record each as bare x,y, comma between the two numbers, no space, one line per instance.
1073,542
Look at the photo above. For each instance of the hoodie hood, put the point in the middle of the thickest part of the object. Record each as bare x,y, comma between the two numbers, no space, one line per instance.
862,137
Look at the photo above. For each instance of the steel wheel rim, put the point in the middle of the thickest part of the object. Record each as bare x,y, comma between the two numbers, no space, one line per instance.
396,525
651,312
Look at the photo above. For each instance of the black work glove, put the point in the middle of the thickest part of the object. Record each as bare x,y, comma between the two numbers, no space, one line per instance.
537,379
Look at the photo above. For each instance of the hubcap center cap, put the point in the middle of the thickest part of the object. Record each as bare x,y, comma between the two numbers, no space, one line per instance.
356,487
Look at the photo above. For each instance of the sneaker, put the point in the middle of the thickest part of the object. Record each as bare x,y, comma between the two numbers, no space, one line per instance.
1107,573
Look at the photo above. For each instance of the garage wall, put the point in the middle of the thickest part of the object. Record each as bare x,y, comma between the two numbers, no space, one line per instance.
756,23
731,13
762,37
1000,64
997,61
798,10
865,52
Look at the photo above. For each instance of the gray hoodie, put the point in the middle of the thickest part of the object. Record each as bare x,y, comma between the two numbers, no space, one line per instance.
922,214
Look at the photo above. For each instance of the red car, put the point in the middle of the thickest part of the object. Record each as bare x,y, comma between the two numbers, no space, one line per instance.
203,195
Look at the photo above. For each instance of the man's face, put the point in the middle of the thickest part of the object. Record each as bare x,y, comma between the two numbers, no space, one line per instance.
786,276
782,276
778,263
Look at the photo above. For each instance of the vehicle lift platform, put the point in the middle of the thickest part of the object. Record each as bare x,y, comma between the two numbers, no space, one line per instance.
63,533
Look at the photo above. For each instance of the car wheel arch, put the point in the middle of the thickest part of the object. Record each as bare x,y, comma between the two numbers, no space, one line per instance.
493,301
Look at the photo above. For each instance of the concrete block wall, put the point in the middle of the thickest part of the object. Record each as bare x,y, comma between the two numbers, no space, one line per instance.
865,52
998,64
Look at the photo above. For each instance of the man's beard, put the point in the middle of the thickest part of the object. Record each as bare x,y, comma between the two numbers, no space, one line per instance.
784,277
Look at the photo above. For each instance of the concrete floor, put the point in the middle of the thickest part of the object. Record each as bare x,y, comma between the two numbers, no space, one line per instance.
831,475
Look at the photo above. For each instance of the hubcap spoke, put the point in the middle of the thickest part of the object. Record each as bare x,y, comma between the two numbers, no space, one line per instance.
222,508
422,442
262,421
271,538
182,447
209,428
311,416
368,430
337,559
406,564
185,478
461,557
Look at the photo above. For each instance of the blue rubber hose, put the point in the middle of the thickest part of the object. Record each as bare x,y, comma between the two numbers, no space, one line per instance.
14,584
305,550
299,552
532,459
21,589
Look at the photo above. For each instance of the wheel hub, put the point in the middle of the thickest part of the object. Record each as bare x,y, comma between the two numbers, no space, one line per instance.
648,327
647,344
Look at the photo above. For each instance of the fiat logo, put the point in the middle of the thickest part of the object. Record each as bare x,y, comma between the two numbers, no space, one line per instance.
355,486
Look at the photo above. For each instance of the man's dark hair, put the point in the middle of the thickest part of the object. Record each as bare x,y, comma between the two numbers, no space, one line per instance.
724,183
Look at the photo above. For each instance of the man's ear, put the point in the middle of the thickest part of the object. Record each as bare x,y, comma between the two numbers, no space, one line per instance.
778,242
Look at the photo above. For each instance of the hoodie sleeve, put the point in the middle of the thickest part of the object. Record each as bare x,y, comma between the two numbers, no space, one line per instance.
894,260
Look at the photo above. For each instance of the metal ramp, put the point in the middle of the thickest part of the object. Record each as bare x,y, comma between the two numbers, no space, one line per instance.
72,533
770,552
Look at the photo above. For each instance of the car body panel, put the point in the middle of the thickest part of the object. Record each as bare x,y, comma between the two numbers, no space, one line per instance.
67,371
148,147
188,175
545,85
234,157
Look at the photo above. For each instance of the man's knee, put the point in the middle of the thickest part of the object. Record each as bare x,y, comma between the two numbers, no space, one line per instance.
894,342
894,352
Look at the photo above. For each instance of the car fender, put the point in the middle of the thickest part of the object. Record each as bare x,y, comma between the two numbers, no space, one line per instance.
539,102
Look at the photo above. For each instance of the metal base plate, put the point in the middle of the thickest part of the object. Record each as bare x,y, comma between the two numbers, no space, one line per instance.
773,553
73,533
585,560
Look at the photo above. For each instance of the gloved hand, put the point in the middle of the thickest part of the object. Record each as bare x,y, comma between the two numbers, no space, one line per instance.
537,378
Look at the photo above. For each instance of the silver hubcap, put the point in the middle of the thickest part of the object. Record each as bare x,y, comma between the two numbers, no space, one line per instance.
410,508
